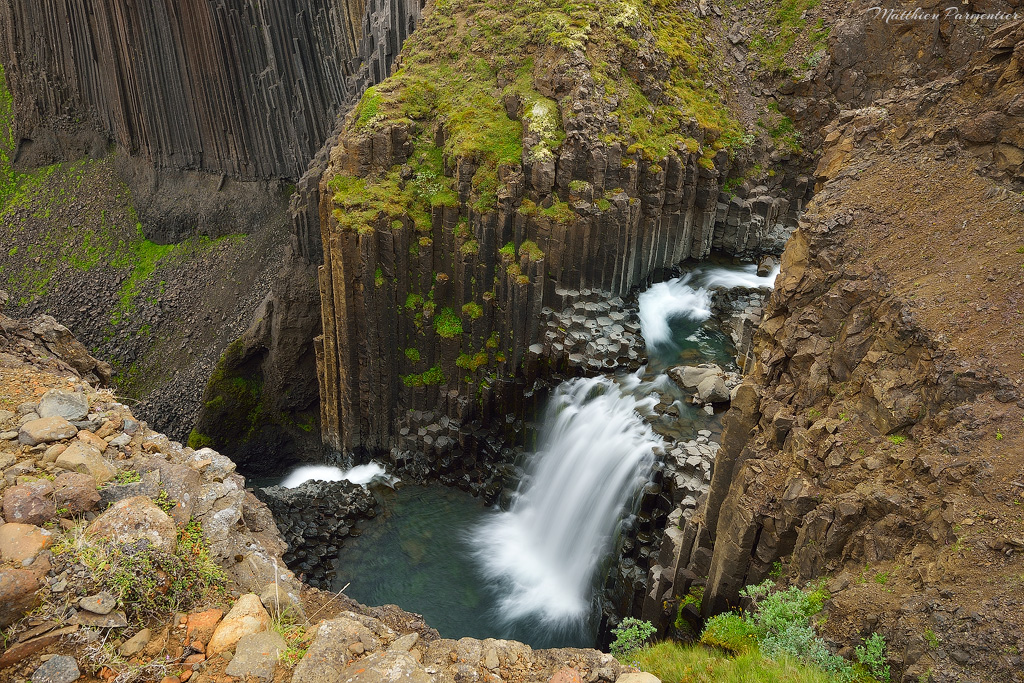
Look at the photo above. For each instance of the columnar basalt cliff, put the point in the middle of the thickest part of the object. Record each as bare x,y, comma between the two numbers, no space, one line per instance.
209,108
879,420
247,89
465,202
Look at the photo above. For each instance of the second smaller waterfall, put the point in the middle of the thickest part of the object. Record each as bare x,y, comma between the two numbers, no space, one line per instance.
544,552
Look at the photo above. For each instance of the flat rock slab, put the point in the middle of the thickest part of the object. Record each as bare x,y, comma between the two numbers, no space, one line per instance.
22,542
45,430
70,405
386,667
101,603
256,655
115,619
59,669
136,643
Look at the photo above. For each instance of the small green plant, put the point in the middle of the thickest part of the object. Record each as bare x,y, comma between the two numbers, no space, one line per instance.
897,439
447,324
472,310
164,501
127,476
630,634
882,578
813,414
413,355
872,656
999,436
776,570
378,277
932,639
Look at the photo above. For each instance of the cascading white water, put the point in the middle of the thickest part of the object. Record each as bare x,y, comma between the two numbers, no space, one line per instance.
544,552
360,474
689,297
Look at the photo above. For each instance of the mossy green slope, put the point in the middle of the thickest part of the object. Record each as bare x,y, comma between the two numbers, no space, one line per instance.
469,58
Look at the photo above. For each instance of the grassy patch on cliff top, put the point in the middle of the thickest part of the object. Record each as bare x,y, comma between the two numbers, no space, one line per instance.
785,23
468,58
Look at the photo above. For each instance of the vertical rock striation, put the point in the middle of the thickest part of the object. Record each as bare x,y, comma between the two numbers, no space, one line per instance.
451,234
247,89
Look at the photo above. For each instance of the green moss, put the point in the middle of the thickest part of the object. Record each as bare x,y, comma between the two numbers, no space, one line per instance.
197,440
430,377
508,250
447,324
472,310
471,57
413,301
378,277
531,251
783,24
368,108
471,362
413,355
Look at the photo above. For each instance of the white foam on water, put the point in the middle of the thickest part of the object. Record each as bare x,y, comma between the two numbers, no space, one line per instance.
689,297
360,474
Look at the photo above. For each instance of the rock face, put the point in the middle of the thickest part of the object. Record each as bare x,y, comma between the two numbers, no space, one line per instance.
438,307
281,73
314,519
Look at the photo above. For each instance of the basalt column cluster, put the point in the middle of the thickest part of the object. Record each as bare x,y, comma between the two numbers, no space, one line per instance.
247,89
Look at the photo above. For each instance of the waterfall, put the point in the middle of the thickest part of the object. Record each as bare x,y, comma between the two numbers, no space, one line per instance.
689,297
543,554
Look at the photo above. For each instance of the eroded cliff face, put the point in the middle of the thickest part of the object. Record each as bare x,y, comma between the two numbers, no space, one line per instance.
247,89
501,176
876,441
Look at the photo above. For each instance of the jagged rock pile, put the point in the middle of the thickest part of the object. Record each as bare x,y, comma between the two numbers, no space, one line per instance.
314,519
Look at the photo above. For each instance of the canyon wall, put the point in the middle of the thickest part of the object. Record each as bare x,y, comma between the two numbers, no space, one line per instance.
442,269
875,425
247,89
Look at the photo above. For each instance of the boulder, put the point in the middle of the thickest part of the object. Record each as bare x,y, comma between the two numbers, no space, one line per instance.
20,543
76,492
330,648
256,656
85,459
200,625
136,643
713,390
72,406
101,603
133,519
45,430
394,667
17,594
246,616
57,669
637,677
689,377
566,674
27,504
